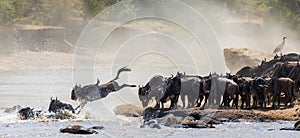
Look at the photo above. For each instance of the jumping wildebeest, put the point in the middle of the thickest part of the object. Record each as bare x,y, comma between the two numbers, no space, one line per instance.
172,91
282,85
56,106
153,89
94,92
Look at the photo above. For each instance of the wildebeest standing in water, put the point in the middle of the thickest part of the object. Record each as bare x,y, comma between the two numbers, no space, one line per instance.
94,92
172,91
56,106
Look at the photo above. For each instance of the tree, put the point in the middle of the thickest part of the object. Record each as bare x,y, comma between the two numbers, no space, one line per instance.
7,11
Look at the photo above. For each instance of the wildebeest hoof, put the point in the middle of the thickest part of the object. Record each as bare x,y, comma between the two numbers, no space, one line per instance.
202,108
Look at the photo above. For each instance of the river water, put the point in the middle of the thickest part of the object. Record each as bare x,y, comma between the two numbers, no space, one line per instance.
34,88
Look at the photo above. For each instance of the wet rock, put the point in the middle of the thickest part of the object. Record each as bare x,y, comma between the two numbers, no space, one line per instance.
151,124
193,121
296,127
129,110
151,113
169,120
13,109
297,113
78,129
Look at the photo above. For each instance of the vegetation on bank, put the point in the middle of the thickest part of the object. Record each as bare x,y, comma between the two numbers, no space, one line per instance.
57,12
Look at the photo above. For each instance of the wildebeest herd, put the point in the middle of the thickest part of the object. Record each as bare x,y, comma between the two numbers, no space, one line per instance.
271,82
268,85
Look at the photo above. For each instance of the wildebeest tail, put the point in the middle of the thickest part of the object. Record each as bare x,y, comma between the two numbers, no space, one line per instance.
119,71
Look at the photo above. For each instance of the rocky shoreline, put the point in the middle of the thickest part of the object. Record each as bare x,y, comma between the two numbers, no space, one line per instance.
199,118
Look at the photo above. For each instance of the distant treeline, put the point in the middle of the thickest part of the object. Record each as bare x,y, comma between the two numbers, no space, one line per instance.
57,12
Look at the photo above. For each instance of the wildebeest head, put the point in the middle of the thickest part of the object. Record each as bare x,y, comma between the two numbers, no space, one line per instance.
174,82
260,83
206,84
52,104
144,90
75,91
143,94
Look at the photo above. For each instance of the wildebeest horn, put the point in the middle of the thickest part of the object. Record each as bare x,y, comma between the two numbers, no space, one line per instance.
51,98
172,75
97,81
56,98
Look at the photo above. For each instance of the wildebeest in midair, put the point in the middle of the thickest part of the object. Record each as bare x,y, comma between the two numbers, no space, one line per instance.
94,92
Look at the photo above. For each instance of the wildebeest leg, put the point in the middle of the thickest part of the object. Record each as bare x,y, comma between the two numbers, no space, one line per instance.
243,101
82,104
274,99
224,101
248,101
205,100
174,102
279,96
268,98
254,104
200,97
157,105
162,104
236,99
183,100
118,87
